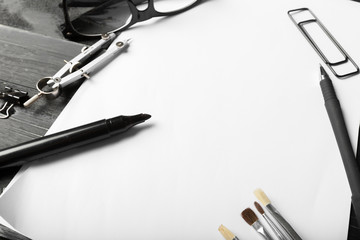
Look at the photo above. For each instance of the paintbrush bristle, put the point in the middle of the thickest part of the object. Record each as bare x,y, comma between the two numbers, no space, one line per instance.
262,196
226,233
249,216
259,208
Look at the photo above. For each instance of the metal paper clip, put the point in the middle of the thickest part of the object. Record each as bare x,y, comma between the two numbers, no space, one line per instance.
52,86
313,19
11,98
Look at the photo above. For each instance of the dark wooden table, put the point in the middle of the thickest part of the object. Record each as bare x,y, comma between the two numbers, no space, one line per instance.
26,57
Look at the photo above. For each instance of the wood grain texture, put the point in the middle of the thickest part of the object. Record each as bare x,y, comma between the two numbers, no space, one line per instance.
24,59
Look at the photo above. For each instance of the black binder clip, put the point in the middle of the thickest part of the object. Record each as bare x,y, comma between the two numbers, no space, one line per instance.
11,97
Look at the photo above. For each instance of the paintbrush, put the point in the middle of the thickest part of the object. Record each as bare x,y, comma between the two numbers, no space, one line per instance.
275,213
250,217
272,225
226,233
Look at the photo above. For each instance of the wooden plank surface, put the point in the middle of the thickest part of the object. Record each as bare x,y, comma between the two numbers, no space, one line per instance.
24,59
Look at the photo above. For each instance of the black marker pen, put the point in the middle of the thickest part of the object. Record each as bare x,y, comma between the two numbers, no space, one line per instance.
68,139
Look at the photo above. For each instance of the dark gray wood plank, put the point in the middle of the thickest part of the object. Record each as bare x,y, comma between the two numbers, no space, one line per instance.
26,57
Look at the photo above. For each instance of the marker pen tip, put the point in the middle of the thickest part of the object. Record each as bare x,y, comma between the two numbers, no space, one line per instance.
146,116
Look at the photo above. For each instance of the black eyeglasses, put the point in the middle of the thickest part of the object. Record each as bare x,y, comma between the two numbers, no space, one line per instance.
92,18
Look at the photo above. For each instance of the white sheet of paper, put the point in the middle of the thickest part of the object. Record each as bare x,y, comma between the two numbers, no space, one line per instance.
233,90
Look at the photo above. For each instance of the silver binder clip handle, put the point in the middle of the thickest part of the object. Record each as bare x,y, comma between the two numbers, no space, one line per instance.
5,110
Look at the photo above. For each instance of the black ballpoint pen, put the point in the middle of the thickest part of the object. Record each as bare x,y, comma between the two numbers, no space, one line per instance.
68,139
333,109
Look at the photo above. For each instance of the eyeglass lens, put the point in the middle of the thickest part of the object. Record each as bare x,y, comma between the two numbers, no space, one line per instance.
98,17
101,16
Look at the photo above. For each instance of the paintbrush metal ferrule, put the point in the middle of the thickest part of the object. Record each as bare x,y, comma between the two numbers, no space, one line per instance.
280,235
275,229
261,230
284,224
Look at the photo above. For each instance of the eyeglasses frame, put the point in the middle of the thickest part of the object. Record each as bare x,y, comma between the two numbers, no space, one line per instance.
137,15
